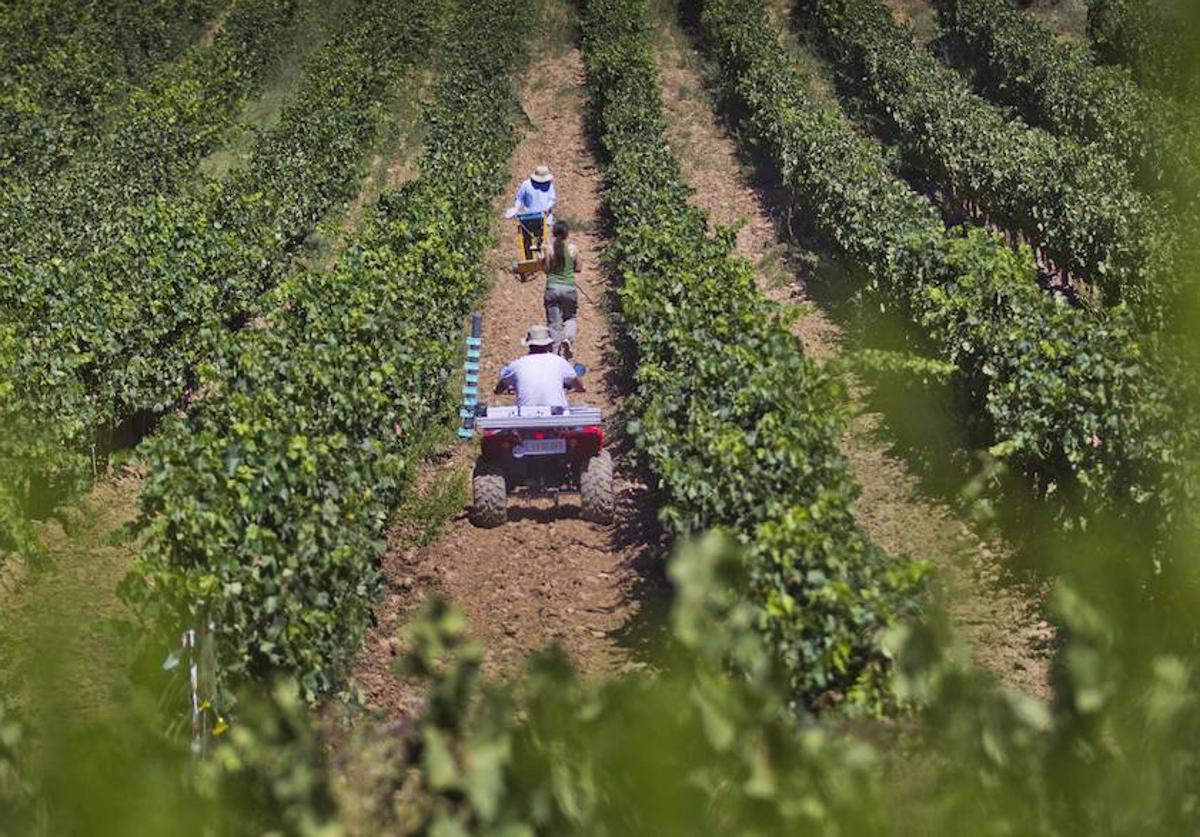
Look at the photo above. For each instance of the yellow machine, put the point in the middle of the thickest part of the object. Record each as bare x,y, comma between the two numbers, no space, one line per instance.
531,232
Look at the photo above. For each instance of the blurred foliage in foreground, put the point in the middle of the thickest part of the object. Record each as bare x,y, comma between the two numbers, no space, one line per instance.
692,749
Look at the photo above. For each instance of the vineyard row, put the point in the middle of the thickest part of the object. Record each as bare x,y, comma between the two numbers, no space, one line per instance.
154,142
738,428
67,62
1077,204
1071,400
1020,63
133,329
265,508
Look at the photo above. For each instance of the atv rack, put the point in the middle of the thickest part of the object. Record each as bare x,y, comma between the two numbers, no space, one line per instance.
538,418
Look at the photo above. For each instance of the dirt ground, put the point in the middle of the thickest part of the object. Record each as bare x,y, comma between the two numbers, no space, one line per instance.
919,14
1067,19
214,26
546,577
1002,621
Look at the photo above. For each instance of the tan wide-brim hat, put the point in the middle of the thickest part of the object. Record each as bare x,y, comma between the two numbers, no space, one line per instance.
537,335
541,175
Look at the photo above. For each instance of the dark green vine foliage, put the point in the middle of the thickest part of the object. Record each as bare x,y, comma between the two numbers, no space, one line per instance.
1160,50
155,139
738,428
66,63
151,143
110,348
1071,400
265,509
1077,203
1018,61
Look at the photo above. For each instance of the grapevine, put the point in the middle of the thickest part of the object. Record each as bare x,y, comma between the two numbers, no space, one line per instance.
737,426
266,507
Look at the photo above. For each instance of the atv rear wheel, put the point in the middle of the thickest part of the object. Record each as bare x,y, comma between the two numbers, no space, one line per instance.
489,495
596,488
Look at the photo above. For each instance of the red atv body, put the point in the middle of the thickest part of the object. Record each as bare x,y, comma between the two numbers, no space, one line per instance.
541,451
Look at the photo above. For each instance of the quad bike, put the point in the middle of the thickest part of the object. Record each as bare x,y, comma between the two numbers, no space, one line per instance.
541,451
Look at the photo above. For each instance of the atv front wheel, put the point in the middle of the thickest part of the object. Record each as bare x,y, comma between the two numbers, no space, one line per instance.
596,488
489,496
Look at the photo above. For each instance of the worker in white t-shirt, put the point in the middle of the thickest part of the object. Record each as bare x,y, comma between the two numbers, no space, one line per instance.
541,377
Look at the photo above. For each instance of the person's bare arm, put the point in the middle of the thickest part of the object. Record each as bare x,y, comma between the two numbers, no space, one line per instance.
576,385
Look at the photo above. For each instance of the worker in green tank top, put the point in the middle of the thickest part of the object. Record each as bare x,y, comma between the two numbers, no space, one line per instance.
560,262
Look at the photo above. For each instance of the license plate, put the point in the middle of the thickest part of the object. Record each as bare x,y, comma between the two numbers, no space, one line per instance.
540,447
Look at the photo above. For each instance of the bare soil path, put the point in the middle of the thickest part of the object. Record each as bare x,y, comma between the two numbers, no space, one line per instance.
1067,19
1002,621
546,577
920,15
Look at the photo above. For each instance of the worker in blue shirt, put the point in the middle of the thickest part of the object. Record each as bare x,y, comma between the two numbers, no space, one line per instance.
536,194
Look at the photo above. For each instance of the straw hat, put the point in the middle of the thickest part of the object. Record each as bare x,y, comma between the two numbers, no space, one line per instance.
537,335
541,174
